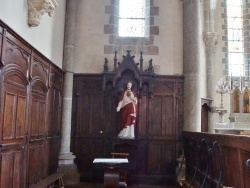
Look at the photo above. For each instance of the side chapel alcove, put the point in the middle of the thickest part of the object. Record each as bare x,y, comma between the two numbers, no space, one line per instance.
95,122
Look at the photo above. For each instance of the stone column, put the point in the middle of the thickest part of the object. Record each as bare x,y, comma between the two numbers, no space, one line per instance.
210,39
192,37
66,158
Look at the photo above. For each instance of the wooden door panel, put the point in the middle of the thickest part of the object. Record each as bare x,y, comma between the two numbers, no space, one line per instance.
156,117
84,115
96,114
53,149
21,116
154,158
54,112
143,116
89,110
169,128
161,158
38,115
12,168
9,115
14,116
168,160
109,115
38,108
162,116
42,117
88,150
1,38
37,161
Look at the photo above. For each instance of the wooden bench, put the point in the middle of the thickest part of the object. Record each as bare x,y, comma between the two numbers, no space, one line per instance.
52,181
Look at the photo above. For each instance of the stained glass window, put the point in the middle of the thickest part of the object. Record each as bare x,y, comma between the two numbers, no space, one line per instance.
235,38
132,18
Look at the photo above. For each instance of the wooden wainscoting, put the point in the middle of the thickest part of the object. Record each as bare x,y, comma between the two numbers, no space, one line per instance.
30,112
159,125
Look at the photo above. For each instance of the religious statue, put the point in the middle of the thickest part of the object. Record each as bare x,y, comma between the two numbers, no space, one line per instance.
127,107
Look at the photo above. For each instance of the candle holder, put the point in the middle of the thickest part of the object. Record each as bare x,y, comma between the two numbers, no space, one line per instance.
222,88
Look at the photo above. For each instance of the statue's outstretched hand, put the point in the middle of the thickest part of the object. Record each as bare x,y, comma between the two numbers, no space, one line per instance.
118,108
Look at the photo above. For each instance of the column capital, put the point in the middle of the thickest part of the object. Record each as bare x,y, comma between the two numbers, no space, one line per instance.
210,39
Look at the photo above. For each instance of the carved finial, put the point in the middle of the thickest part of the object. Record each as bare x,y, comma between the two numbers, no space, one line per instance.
37,8
150,66
141,62
128,52
115,61
105,66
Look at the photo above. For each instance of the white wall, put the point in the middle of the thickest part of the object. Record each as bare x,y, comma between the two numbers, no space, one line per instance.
47,37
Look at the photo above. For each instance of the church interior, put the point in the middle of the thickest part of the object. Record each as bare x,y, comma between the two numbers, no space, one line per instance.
124,93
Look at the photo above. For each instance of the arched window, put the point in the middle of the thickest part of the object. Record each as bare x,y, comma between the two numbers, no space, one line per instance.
132,18
235,38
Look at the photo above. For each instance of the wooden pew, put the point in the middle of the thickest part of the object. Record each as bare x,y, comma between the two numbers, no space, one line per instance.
227,160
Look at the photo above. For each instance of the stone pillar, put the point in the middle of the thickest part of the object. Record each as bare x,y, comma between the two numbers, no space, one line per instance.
66,158
191,66
210,39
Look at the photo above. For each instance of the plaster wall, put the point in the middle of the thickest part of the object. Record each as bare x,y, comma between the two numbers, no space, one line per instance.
47,38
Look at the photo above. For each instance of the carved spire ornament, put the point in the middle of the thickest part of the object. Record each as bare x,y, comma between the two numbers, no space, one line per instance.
37,8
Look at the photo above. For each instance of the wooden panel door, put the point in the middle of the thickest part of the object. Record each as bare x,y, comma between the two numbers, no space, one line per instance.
162,116
37,162
13,111
37,132
12,169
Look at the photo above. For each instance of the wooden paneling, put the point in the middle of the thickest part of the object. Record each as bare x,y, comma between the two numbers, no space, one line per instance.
231,155
55,101
14,100
1,44
30,110
143,116
12,166
87,150
39,68
95,126
16,53
162,116
38,109
37,163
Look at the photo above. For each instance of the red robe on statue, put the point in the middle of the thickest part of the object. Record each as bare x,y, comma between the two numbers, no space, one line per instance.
127,105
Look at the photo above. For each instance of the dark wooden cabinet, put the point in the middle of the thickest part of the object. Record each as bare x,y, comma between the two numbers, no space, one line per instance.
95,122
30,112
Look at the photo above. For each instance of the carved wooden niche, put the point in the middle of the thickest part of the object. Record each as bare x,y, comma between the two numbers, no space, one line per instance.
128,70
115,81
